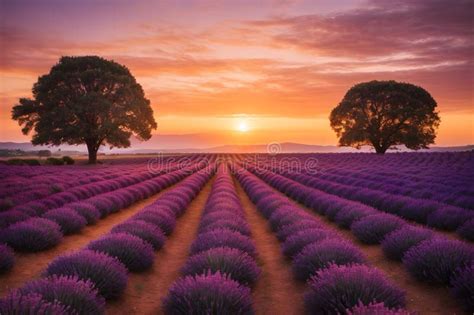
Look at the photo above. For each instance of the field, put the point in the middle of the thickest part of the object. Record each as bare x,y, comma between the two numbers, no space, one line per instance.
265,234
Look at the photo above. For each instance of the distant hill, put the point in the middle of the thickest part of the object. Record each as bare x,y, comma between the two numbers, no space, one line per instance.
286,147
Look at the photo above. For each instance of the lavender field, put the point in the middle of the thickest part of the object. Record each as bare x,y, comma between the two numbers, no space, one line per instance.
240,234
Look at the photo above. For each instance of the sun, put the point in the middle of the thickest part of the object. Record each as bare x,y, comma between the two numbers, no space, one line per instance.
243,126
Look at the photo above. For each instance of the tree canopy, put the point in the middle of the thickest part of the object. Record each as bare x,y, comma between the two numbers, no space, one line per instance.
383,114
88,100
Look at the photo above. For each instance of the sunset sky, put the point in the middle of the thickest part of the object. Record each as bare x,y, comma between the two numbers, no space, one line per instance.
251,71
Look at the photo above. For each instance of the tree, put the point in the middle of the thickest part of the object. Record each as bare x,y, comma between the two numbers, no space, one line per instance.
384,114
87,100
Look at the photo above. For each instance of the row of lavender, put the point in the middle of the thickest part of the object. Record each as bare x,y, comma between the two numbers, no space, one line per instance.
428,212
445,177
339,279
221,268
426,255
81,282
81,192
37,234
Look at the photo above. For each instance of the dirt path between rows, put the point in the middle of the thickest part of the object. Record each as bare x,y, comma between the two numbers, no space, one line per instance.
276,292
30,265
146,290
422,298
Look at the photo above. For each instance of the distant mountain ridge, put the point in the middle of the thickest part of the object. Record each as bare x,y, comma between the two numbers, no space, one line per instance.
285,147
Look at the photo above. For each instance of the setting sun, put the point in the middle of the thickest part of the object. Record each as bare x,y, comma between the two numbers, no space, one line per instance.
243,126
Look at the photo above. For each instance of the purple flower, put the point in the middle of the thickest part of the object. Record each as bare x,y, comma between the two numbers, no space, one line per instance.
132,251
373,228
292,228
18,303
375,309
7,258
295,243
159,218
208,294
69,221
337,288
238,265
80,296
86,210
34,234
317,256
436,260
146,231
108,275
397,243
463,286
223,238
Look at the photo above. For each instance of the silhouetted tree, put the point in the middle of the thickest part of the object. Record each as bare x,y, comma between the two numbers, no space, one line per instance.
386,113
86,100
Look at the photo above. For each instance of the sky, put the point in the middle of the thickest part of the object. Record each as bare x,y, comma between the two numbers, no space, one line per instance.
249,72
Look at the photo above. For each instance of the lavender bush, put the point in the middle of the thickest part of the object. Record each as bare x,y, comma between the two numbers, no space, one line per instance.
108,275
130,250
437,260
208,294
397,243
467,230
69,221
144,230
32,235
463,286
238,265
220,238
80,296
295,243
317,256
159,218
337,288
17,303
7,258
373,228
376,309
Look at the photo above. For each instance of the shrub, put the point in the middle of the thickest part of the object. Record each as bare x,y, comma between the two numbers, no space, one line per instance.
30,162
80,296
337,288
207,294
373,228
463,287
132,251
7,258
68,219
223,238
397,243
346,216
86,210
436,260
229,224
108,275
158,218
32,235
146,231
5,204
449,218
68,160
375,309
17,303
467,230
233,262
292,228
295,243
54,161
11,216
317,256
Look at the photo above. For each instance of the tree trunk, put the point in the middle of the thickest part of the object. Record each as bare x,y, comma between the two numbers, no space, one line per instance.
380,150
92,148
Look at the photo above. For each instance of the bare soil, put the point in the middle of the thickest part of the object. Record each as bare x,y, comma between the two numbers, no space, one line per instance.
146,290
276,292
29,266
